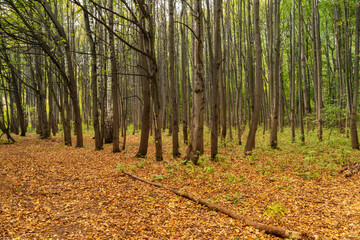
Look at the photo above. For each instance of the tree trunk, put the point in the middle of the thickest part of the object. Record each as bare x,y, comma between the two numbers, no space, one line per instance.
98,138
292,73
114,82
173,83
339,67
276,75
353,113
195,148
216,78
184,72
301,74
250,143
317,65
222,82
146,107
239,96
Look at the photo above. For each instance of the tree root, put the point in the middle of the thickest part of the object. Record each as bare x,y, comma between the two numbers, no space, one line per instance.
351,169
276,231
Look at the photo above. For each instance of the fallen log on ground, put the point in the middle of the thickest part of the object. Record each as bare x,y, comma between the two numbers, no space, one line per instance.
276,231
351,169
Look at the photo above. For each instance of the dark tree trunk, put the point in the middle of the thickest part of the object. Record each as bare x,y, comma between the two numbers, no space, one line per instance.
250,143
195,148
173,83
184,72
216,78
353,113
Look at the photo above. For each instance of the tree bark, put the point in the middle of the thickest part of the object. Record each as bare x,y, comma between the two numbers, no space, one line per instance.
353,113
184,72
250,143
216,79
114,82
173,84
292,73
301,74
146,107
95,110
276,75
195,148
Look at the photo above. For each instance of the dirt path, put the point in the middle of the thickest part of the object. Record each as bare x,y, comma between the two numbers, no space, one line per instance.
48,191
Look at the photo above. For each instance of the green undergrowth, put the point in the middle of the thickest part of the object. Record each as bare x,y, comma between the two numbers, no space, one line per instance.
307,161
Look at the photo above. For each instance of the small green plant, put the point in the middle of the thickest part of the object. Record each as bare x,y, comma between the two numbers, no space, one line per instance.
309,175
279,187
209,169
159,178
232,178
265,168
142,164
276,209
241,178
132,166
235,198
206,164
149,199
121,167
190,167
250,158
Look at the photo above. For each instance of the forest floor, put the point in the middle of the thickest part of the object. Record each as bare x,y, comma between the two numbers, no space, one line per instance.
50,191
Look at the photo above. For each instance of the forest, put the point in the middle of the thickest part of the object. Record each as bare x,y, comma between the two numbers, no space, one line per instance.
246,107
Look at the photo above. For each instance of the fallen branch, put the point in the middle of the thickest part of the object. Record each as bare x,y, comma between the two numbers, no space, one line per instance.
351,169
276,231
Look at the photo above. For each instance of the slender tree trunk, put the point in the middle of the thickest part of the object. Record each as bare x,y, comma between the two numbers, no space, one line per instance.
292,73
353,113
184,72
250,143
173,83
317,65
301,74
41,96
222,82
114,82
339,68
98,139
216,78
146,107
148,38
276,76
239,99
195,148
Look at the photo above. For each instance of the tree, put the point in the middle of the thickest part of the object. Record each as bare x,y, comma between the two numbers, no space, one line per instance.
196,148
94,86
184,72
216,78
353,113
114,81
173,83
250,143
275,71
317,64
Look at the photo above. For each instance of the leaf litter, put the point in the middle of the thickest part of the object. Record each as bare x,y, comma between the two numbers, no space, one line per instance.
52,191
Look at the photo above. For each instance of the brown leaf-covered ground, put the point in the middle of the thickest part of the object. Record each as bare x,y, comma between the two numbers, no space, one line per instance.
50,191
